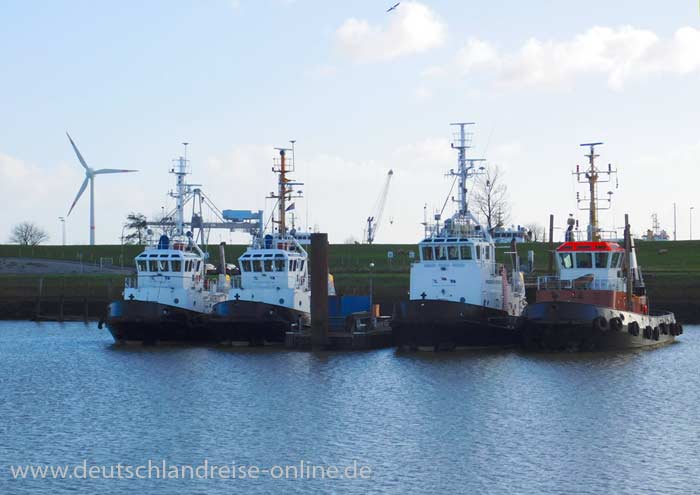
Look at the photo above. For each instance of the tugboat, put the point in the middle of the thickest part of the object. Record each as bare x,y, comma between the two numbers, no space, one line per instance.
459,295
598,300
170,299
272,295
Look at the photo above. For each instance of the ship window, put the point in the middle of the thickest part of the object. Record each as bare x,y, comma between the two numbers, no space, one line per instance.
142,265
301,265
441,253
199,266
245,264
616,258
279,265
453,252
567,260
427,253
177,265
257,266
584,260
163,265
152,266
601,260
487,253
466,252
478,252
268,265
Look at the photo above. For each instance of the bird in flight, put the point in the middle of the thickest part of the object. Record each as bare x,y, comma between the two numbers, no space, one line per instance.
393,7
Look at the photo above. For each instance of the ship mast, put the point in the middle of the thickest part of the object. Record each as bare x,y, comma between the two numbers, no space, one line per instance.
283,166
180,171
466,167
593,176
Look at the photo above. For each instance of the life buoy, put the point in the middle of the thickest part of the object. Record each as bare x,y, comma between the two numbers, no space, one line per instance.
647,332
680,329
600,324
615,324
664,328
656,333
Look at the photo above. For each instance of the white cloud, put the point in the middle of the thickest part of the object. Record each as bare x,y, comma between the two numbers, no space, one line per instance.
620,54
412,28
477,55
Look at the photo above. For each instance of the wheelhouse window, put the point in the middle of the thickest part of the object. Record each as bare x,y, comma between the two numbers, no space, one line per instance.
152,266
246,265
584,260
176,265
601,260
257,265
441,253
487,253
267,264
428,253
478,252
453,252
616,260
465,252
301,265
142,265
279,263
567,260
163,266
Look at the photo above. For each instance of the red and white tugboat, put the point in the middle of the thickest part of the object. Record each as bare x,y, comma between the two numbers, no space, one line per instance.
598,300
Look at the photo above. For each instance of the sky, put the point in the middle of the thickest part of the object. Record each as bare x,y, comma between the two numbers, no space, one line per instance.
361,91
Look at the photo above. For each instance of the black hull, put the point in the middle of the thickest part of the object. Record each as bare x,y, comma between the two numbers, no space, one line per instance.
152,323
445,325
558,326
256,322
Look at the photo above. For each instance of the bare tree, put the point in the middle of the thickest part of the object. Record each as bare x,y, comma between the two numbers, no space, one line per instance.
536,231
491,197
137,226
28,234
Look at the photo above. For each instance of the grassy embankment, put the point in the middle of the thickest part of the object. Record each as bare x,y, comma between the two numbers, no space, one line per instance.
673,277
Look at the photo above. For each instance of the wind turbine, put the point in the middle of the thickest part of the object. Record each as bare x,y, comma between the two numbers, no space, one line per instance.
90,177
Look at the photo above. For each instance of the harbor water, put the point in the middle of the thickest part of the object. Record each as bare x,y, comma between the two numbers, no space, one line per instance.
494,422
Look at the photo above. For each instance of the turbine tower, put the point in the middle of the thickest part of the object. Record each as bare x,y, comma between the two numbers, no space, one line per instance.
90,177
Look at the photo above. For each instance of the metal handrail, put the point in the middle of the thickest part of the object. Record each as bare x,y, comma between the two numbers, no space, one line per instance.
555,282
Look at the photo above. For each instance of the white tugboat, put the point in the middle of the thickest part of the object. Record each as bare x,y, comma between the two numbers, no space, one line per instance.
170,298
272,294
459,295
598,300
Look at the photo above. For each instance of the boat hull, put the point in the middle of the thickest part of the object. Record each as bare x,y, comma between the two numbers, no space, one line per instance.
445,325
564,325
153,322
256,322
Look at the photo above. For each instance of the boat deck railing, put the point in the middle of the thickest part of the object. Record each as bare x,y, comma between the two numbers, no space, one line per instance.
553,282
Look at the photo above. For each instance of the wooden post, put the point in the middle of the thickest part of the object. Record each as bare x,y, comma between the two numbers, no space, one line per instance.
550,268
37,309
319,290
628,262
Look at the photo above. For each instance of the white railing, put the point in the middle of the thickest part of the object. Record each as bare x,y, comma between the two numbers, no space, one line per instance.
554,282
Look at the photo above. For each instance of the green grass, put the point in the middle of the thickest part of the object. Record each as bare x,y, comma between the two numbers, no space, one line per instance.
350,262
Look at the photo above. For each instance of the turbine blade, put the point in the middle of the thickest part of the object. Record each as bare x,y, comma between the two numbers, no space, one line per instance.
112,171
77,196
80,157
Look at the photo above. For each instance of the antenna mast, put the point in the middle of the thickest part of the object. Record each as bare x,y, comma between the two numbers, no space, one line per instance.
180,171
282,166
466,167
593,176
